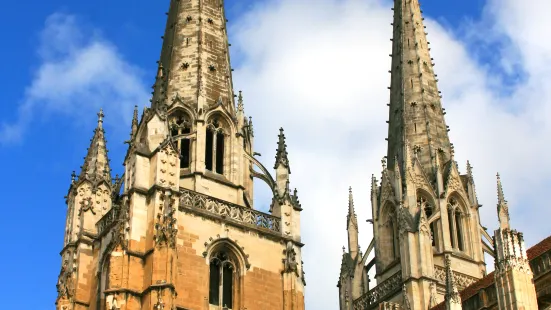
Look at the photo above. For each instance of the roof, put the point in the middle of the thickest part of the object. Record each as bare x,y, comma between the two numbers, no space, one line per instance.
473,289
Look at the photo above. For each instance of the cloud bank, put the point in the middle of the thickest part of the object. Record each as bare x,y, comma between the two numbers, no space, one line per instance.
78,72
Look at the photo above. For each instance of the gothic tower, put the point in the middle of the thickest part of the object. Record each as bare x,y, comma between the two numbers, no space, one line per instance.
178,230
423,209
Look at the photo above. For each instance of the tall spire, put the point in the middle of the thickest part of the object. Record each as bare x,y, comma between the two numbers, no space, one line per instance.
96,163
415,113
502,207
195,54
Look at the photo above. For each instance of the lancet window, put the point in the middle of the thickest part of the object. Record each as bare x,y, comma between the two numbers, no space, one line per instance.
456,219
389,234
429,209
215,146
180,128
222,280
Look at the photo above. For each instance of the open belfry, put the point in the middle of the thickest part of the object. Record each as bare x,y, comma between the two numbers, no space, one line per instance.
178,230
429,243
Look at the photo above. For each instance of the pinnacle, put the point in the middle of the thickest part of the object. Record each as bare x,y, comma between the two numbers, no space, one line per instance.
500,195
240,102
452,294
96,163
281,152
351,211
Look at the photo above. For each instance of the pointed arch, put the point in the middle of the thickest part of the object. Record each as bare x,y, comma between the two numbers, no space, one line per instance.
227,264
217,145
388,234
426,204
180,126
458,215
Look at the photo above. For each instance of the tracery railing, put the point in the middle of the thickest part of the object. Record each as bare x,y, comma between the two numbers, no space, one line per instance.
108,219
378,293
461,280
193,200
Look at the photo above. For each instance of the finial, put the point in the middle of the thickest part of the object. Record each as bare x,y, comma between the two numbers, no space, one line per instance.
100,118
502,207
383,162
343,250
73,177
134,122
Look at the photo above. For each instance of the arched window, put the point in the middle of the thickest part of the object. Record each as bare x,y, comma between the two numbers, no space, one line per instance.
390,247
180,124
222,280
456,220
429,210
214,147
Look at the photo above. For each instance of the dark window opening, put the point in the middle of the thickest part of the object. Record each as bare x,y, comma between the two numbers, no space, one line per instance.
227,287
174,131
459,230
208,149
185,149
220,153
450,221
428,213
214,284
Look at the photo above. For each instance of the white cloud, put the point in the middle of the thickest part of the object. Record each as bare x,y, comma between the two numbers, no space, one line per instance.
78,73
320,71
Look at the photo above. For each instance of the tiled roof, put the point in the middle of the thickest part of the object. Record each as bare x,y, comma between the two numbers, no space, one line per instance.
473,289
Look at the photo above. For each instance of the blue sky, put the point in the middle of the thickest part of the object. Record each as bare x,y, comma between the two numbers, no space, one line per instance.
38,165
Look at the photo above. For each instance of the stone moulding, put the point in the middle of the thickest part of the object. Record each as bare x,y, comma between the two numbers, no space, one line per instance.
225,210
461,280
378,293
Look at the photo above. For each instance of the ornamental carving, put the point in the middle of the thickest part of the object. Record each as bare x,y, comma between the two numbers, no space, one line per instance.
65,283
194,201
165,228
86,204
378,293
290,260
461,281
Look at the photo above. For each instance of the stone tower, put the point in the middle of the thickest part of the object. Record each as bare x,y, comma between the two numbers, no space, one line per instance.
513,275
423,209
178,229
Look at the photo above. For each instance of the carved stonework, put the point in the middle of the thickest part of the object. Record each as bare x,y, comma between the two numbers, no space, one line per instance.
290,260
378,293
246,216
165,228
65,283
86,204
461,281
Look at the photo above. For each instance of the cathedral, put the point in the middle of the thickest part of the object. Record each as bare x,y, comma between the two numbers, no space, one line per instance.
429,243
178,230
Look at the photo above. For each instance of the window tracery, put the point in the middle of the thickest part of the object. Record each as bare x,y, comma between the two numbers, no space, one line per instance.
389,234
222,280
180,125
215,146
456,219
428,207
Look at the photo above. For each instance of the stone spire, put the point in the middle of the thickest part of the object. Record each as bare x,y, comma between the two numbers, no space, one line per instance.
452,298
281,152
502,207
96,163
415,113
195,54
352,226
